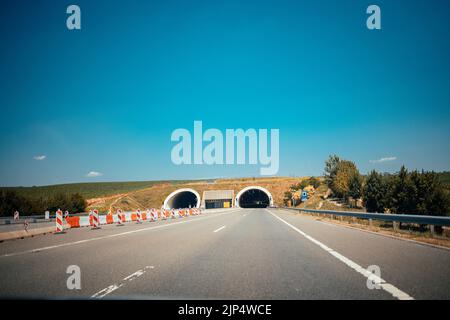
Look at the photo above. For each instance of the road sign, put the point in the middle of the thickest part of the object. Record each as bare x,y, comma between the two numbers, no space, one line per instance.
16,215
47,215
304,196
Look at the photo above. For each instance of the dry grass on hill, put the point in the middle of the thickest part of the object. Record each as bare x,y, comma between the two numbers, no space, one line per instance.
153,197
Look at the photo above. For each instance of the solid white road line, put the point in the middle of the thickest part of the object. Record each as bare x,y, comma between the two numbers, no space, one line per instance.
111,235
217,230
114,287
397,293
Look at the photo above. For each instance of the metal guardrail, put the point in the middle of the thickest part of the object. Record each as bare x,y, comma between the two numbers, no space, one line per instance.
407,218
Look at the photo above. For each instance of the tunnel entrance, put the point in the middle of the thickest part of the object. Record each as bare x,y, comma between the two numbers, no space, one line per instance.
182,198
254,197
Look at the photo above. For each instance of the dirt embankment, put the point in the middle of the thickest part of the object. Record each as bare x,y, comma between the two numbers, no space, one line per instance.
154,196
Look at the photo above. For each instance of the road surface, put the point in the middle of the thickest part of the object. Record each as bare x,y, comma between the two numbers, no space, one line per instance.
224,254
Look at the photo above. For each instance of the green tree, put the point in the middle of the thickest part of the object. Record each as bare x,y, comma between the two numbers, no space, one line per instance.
314,182
287,197
341,184
60,201
375,192
78,203
355,186
435,200
331,169
403,193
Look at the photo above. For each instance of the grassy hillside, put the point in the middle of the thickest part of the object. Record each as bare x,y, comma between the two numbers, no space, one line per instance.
87,190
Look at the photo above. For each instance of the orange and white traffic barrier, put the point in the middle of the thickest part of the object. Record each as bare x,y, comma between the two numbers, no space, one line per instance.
120,221
95,220
59,221
153,215
138,216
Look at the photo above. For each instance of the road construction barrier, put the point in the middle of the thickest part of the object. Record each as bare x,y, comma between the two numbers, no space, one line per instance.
138,216
153,215
120,221
120,218
59,221
95,220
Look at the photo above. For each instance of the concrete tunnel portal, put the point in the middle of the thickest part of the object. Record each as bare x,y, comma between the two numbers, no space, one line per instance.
182,198
254,197
249,197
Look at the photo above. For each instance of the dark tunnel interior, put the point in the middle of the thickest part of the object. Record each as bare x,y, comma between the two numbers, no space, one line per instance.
183,199
254,198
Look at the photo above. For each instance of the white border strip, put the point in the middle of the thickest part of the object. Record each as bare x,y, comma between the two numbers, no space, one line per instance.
394,291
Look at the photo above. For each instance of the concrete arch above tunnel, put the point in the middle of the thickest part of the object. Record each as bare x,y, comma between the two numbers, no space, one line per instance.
182,198
254,197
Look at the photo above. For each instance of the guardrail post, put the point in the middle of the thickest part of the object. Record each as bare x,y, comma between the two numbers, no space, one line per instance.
432,230
395,225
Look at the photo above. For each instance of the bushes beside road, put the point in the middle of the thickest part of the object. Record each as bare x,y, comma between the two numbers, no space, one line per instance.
10,201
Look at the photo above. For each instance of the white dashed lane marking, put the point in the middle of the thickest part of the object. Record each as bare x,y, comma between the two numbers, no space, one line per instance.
221,228
102,293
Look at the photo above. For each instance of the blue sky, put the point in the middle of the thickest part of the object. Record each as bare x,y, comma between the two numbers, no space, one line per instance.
106,98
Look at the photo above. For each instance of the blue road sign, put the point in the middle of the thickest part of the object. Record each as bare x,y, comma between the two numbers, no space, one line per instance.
304,196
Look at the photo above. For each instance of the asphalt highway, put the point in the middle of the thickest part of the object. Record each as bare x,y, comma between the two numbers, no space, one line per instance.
224,254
